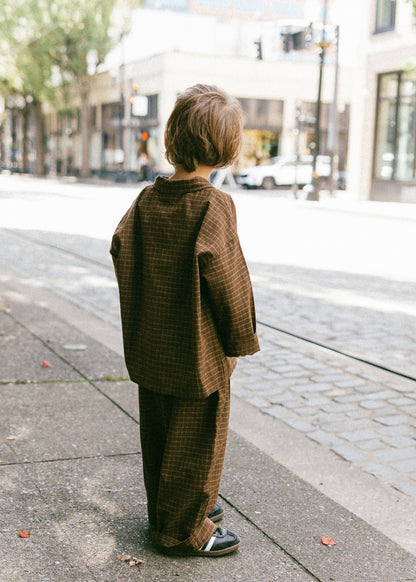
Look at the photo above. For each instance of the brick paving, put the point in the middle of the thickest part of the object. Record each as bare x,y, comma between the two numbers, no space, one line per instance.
364,415
371,317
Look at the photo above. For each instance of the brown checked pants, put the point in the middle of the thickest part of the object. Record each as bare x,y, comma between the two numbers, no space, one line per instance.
183,447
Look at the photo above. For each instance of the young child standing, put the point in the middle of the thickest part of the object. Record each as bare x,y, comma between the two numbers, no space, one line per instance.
187,313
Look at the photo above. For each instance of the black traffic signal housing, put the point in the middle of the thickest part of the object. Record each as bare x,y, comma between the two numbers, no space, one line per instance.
286,41
259,49
298,40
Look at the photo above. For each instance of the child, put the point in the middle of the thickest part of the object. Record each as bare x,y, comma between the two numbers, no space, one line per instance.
187,312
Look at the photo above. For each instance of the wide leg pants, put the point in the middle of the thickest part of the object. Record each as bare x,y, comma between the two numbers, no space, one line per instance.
183,447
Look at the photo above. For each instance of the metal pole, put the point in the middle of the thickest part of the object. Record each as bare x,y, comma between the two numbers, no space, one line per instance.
297,132
333,128
121,105
314,192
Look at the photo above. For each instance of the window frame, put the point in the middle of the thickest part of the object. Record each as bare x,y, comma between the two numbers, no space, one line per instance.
378,29
398,101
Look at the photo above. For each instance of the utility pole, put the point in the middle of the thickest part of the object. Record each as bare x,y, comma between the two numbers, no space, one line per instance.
333,127
314,191
297,134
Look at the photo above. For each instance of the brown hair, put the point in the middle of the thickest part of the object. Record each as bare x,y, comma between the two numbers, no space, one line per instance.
205,127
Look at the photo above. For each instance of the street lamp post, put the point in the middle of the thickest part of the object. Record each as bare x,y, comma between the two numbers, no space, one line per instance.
313,193
119,152
333,126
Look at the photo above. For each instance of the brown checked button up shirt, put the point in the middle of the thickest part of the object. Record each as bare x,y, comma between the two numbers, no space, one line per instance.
185,292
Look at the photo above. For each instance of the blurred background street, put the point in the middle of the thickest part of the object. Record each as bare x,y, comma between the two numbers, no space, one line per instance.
325,191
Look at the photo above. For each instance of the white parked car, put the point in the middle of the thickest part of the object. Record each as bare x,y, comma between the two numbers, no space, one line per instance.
284,171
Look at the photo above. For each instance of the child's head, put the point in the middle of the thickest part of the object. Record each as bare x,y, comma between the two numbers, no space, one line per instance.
204,128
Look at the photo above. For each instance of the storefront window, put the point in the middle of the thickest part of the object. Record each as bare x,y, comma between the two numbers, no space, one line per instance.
389,85
264,114
258,147
408,85
395,143
405,141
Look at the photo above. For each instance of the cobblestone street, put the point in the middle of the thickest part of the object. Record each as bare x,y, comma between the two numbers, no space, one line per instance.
349,312
365,415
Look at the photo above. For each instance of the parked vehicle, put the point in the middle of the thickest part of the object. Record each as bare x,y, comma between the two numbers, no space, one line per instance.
284,171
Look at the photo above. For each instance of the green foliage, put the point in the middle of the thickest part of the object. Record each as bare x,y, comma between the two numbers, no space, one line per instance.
49,49
45,45
414,7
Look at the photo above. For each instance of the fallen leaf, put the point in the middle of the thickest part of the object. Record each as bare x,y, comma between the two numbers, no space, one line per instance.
131,560
328,541
46,364
24,534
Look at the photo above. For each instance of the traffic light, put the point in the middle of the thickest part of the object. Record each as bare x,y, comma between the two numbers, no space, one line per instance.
287,41
259,50
134,91
310,140
299,40
144,136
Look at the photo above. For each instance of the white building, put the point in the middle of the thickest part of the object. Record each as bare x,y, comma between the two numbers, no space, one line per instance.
382,161
173,44
167,51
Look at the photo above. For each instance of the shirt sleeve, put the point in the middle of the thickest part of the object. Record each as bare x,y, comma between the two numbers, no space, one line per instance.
225,280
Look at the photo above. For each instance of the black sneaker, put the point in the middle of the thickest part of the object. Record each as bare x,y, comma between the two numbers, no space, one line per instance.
217,513
220,543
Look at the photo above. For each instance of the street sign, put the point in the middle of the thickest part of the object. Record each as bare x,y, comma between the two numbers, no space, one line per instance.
140,106
119,156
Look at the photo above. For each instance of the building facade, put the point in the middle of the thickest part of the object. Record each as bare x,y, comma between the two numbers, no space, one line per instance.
382,163
269,93
173,44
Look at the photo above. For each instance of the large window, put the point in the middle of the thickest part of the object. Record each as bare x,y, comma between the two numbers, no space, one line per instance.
262,114
395,144
385,15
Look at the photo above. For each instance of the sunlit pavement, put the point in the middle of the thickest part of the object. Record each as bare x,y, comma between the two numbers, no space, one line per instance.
342,278
337,273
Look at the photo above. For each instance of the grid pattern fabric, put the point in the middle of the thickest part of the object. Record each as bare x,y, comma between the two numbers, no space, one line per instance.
185,292
183,447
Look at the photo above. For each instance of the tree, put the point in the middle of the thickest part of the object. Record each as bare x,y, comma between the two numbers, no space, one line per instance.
77,44
17,76
26,70
52,48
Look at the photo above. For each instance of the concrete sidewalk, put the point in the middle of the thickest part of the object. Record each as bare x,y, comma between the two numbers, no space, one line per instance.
71,475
